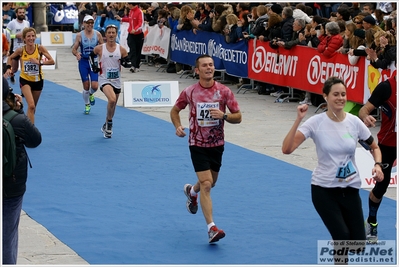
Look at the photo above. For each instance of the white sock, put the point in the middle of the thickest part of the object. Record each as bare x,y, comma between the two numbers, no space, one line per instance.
192,192
92,91
86,97
210,225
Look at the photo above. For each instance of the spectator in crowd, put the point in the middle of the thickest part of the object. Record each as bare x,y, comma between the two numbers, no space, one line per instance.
186,17
379,18
370,22
309,11
333,16
342,27
261,22
49,14
219,19
299,13
135,37
8,13
247,34
368,8
205,23
286,24
200,12
390,26
273,30
108,12
386,44
344,14
357,43
332,41
349,33
5,51
152,14
310,35
311,40
84,10
298,28
354,10
316,25
276,8
358,20
14,186
233,30
242,10
15,28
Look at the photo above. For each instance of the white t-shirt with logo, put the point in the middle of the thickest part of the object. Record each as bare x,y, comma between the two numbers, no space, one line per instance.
15,27
335,147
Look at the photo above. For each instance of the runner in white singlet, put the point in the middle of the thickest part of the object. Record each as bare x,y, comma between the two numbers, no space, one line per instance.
110,55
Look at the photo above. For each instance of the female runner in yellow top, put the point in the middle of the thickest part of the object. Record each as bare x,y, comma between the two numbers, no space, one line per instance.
31,76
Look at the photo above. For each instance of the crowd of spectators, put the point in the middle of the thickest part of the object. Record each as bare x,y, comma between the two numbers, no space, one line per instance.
355,29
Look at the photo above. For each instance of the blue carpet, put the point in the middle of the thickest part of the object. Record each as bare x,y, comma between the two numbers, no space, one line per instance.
121,201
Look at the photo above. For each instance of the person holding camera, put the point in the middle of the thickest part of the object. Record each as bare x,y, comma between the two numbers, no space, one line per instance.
31,78
14,186
336,180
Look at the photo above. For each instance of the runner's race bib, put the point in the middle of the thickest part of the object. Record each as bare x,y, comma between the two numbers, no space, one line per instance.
31,69
346,172
112,73
204,117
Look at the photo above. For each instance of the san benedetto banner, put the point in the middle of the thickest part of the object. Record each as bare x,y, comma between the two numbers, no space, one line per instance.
150,94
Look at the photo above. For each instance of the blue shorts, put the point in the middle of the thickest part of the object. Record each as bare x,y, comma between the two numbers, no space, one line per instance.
86,72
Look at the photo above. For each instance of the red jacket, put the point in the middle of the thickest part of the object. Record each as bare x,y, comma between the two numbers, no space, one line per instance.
330,44
135,19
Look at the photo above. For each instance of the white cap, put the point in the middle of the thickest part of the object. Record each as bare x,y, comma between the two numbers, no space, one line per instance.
87,18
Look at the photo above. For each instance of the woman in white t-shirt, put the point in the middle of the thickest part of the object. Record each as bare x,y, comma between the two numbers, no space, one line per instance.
335,181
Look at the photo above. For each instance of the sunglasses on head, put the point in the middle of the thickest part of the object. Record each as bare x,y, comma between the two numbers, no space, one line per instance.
111,26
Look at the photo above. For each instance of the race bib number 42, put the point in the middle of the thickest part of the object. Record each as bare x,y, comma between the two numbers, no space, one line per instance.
204,117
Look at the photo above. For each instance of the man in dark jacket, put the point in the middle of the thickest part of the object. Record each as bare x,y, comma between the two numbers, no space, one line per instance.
286,24
14,187
298,28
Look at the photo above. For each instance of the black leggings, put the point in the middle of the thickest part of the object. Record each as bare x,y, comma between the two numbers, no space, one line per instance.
341,211
388,156
135,43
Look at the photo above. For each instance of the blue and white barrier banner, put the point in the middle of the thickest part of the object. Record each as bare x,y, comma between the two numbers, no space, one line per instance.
187,46
157,41
150,94
67,15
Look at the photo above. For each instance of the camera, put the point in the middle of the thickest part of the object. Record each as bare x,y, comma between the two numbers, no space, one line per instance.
212,11
249,16
318,27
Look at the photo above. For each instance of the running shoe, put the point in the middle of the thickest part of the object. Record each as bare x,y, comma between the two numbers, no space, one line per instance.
107,130
132,69
215,234
371,232
191,204
87,109
92,100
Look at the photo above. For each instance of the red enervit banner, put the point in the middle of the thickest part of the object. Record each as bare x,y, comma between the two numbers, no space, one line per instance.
304,68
